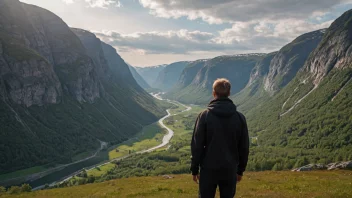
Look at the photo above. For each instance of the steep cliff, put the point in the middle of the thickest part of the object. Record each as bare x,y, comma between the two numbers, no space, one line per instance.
59,93
335,50
254,93
290,59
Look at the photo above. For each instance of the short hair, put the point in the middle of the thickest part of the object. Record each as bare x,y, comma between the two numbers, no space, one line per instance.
222,87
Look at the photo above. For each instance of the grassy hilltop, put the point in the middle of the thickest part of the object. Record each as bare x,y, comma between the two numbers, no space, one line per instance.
255,184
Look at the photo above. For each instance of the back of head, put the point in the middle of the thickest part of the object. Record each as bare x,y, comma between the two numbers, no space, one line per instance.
222,106
221,88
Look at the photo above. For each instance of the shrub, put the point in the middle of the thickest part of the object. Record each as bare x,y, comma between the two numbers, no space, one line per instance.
14,190
2,190
26,188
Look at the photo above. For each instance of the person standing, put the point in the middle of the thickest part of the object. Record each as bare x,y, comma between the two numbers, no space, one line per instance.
220,145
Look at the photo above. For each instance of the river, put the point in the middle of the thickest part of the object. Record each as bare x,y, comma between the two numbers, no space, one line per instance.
101,158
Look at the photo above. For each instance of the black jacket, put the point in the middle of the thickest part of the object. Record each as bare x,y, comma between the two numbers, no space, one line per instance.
220,138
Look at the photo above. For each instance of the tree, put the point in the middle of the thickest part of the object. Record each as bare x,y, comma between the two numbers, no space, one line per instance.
91,179
26,188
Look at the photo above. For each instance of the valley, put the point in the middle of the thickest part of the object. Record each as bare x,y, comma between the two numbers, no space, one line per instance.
79,119
151,138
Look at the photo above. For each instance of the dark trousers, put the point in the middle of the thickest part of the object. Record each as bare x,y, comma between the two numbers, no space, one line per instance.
210,179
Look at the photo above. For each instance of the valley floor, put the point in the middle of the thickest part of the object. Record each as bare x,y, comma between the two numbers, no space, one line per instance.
255,184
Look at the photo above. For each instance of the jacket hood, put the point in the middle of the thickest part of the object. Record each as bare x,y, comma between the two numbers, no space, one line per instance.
222,107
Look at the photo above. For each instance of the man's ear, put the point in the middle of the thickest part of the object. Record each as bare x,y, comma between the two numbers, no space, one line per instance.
229,93
214,95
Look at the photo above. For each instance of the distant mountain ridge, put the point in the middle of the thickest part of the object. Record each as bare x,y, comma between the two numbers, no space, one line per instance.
150,73
140,80
195,82
169,75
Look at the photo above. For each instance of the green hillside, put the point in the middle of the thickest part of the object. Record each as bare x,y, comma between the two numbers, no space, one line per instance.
195,83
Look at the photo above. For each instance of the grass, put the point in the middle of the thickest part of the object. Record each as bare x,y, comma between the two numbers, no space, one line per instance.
22,173
96,172
149,137
255,184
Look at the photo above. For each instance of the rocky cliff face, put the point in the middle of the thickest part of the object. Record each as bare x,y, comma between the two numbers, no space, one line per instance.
261,68
290,59
27,78
94,49
335,50
190,72
168,77
43,49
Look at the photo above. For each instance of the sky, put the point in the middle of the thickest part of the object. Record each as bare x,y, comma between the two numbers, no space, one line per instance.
154,32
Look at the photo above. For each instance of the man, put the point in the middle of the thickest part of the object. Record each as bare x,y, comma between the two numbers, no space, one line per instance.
220,145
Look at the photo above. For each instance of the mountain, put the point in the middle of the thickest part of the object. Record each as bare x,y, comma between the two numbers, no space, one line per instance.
140,80
195,83
169,76
254,91
61,93
290,59
276,70
311,115
150,73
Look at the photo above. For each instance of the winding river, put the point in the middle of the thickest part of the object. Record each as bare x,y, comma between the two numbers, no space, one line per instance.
73,169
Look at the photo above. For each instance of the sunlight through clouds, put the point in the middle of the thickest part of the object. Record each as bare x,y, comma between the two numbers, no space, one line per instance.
97,3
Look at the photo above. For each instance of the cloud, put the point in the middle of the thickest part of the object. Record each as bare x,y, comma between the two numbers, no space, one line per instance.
97,3
172,42
221,11
257,26
103,3
68,1
238,39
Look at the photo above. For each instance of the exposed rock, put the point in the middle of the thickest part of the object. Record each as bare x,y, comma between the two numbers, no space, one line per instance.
94,49
261,68
331,166
189,73
335,50
167,177
38,45
290,59
340,165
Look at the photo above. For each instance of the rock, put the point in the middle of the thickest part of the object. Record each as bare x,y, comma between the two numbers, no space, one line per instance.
340,165
167,177
331,166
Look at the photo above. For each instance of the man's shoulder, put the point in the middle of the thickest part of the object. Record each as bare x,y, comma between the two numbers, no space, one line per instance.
203,114
241,115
